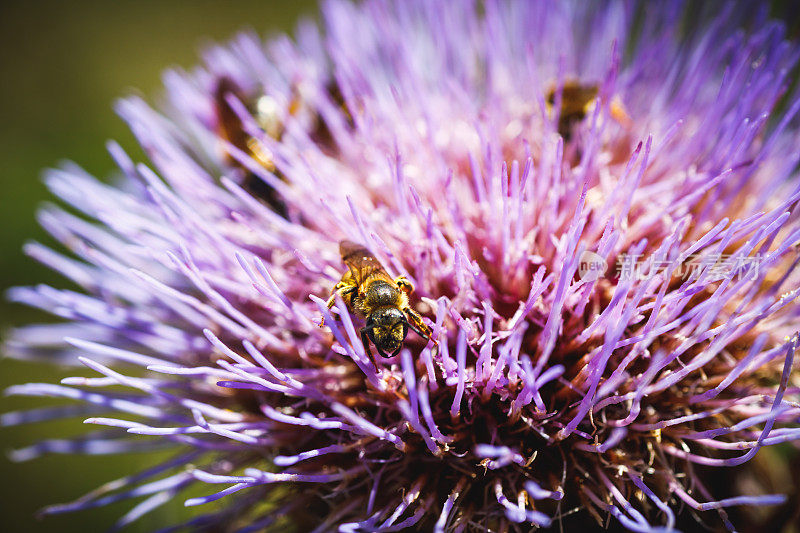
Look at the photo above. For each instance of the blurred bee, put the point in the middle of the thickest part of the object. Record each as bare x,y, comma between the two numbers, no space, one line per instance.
320,132
230,128
335,93
267,113
370,293
577,101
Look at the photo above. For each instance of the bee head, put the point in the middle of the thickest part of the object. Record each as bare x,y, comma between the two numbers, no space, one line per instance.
387,329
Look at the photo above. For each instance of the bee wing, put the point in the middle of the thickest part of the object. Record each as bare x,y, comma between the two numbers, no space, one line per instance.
360,261
228,122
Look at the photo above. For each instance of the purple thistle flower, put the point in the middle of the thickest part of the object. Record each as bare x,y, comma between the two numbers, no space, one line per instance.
445,138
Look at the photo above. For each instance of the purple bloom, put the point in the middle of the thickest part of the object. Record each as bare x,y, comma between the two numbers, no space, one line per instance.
599,214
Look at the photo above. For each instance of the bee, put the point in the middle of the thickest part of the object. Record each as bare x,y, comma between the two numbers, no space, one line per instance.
320,132
268,113
231,129
371,294
577,101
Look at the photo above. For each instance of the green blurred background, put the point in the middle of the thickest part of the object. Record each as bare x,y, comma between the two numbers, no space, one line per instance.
62,64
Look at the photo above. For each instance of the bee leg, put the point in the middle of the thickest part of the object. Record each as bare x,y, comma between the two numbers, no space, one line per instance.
343,289
365,341
404,285
416,324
